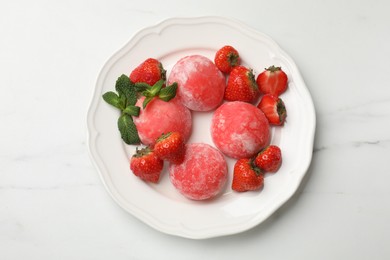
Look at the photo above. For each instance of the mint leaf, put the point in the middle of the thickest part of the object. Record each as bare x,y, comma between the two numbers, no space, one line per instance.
126,88
168,92
132,110
113,99
128,129
125,100
156,87
146,101
141,86
154,90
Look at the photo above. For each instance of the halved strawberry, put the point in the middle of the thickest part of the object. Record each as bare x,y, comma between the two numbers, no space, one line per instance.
150,71
241,85
226,58
269,159
273,108
146,165
272,81
170,147
246,176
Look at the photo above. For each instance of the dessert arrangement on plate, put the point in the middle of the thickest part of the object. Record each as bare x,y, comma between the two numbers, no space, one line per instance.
155,115
201,136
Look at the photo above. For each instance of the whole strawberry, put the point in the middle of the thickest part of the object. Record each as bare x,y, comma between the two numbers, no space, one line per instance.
170,147
246,176
226,58
241,85
150,71
146,165
273,108
272,81
269,159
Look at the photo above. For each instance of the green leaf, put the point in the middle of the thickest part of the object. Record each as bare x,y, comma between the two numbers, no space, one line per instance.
157,87
126,88
146,101
168,92
153,90
132,110
128,129
113,99
141,86
123,101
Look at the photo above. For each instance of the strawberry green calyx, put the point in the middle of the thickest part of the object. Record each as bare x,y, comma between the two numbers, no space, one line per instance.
142,152
281,109
273,68
253,166
163,137
252,79
234,59
163,72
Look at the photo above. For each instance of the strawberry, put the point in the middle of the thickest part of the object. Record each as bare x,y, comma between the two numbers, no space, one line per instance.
226,58
150,71
146,165
269,159
272,81
246,176
170,147
273,108
241,85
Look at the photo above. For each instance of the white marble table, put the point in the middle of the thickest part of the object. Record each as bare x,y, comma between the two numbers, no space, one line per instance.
53,204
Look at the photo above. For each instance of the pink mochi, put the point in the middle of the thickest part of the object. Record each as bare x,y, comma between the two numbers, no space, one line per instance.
201,85
239,129
203,173
162,117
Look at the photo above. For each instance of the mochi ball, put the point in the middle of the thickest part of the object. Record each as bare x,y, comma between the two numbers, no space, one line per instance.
201,85
162,117
239,129
203,173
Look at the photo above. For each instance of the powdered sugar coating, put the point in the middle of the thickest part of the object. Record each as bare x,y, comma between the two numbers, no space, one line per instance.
162,117
201,85
203,173
239,129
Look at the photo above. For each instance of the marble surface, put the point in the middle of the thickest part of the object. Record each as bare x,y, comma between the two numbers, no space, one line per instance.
53,204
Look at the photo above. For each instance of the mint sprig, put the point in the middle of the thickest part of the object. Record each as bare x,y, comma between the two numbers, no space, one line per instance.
125,87
157,90
128,129
125,100
168,92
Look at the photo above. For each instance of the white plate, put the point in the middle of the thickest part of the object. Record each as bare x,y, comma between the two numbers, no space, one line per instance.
160,205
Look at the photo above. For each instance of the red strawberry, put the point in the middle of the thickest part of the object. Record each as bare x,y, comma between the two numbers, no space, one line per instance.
273,108
269,159
226,58
170,147
246,176
146,165
150,71
272,81
241,85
